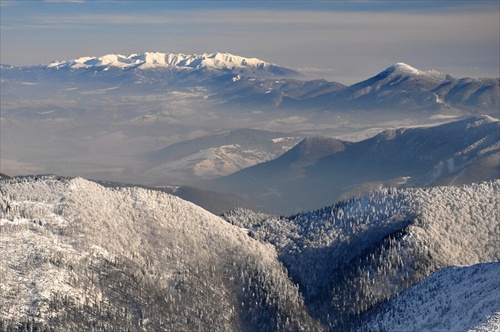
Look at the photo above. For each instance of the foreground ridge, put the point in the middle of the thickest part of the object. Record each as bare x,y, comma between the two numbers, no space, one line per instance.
80,256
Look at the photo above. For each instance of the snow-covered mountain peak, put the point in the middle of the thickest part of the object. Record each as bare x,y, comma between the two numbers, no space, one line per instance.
153,59
403,68
225,58
74,239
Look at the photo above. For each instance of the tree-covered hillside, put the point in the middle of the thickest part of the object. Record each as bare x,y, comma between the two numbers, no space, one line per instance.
349,257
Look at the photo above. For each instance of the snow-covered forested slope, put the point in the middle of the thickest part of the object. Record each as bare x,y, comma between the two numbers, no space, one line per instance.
77,256
452,299
360,252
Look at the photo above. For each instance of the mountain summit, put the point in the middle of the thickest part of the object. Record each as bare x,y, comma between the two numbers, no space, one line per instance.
403,69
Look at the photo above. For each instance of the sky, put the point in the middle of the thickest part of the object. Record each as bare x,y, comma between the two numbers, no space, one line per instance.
343,41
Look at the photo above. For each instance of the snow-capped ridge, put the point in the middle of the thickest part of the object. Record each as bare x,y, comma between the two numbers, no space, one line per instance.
150,60
457,152
474,121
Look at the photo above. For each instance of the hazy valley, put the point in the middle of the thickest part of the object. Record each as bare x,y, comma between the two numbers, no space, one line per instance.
105,117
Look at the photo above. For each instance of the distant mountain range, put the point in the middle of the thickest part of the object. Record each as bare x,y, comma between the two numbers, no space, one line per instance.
323,170
249,82
403,87
79,256
163,119
399,87
151,68
157,60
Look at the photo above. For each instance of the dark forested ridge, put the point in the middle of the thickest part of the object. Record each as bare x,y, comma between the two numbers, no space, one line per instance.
320,171
80,256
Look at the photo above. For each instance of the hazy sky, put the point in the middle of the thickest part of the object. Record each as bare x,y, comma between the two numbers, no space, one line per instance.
345,41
